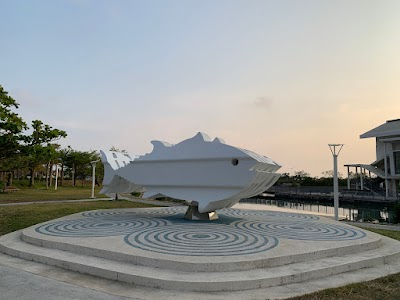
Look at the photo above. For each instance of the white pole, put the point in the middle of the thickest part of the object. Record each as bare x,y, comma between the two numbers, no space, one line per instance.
93,176
55,183
335,179
335,188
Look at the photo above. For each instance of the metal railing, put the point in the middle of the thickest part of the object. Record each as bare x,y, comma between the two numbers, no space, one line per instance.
326,192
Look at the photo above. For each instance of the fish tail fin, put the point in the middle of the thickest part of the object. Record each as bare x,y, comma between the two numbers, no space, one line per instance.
113,161
109,171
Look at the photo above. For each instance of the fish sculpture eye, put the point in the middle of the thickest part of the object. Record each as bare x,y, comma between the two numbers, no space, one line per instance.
235,161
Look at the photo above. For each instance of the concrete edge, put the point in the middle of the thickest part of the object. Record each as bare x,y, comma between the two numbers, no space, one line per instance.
137,292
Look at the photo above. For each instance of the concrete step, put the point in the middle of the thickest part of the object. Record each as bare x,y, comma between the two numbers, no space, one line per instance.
206,265
215,281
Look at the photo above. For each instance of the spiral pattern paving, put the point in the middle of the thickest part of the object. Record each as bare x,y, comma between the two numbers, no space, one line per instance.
302,230
203,240
93,227
236,232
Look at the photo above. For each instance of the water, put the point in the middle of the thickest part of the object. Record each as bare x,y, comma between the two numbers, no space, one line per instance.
353,212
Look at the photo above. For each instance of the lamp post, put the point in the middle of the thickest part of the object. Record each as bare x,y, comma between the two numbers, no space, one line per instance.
335,154
93,176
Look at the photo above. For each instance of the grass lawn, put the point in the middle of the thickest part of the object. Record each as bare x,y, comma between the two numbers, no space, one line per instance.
385,288
390,233
43,194
21,216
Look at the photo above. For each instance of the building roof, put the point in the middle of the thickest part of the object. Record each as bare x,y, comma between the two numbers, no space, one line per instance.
390,128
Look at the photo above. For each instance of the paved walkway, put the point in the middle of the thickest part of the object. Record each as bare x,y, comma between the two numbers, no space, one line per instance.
21,285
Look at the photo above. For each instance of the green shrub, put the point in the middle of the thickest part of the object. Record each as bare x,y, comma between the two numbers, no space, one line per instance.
21,183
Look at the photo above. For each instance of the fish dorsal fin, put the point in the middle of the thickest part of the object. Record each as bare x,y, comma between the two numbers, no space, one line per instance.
158,145
219,140
201,136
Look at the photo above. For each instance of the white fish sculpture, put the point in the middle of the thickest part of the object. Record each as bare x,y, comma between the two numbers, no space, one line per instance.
209,174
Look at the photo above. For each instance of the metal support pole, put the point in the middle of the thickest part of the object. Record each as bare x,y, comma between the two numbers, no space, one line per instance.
335,155
348,177
386,171
362,178
356,178
335,188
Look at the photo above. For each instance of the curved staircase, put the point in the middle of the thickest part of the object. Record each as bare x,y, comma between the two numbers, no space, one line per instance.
244,250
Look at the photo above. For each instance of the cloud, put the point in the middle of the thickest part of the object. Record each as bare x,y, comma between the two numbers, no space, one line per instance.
263,102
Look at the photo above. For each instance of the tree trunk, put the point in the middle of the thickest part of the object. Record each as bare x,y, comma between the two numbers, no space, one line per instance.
9,178
47,175
32,180
73,175
62,174
51,174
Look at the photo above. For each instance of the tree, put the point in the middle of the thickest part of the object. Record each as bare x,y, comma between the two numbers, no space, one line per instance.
11,126
15,142
99,170
63,155
79,163
329,174
17,163
300,175
36,156
43,134
38,148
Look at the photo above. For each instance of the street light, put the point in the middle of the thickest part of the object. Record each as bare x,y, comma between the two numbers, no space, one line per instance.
335,154
93,176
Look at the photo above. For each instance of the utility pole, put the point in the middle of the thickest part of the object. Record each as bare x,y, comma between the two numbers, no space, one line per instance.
335,154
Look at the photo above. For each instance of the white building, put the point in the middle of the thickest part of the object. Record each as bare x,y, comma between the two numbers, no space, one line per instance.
387,163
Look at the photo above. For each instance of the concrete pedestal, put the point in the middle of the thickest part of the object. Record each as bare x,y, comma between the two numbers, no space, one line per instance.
193,213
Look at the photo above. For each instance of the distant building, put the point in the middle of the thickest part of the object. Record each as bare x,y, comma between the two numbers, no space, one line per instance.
387,163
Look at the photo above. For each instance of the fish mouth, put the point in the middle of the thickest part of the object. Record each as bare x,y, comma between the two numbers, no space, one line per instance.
259,183
264,167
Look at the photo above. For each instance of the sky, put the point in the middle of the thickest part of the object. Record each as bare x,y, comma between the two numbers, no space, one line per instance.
281,78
